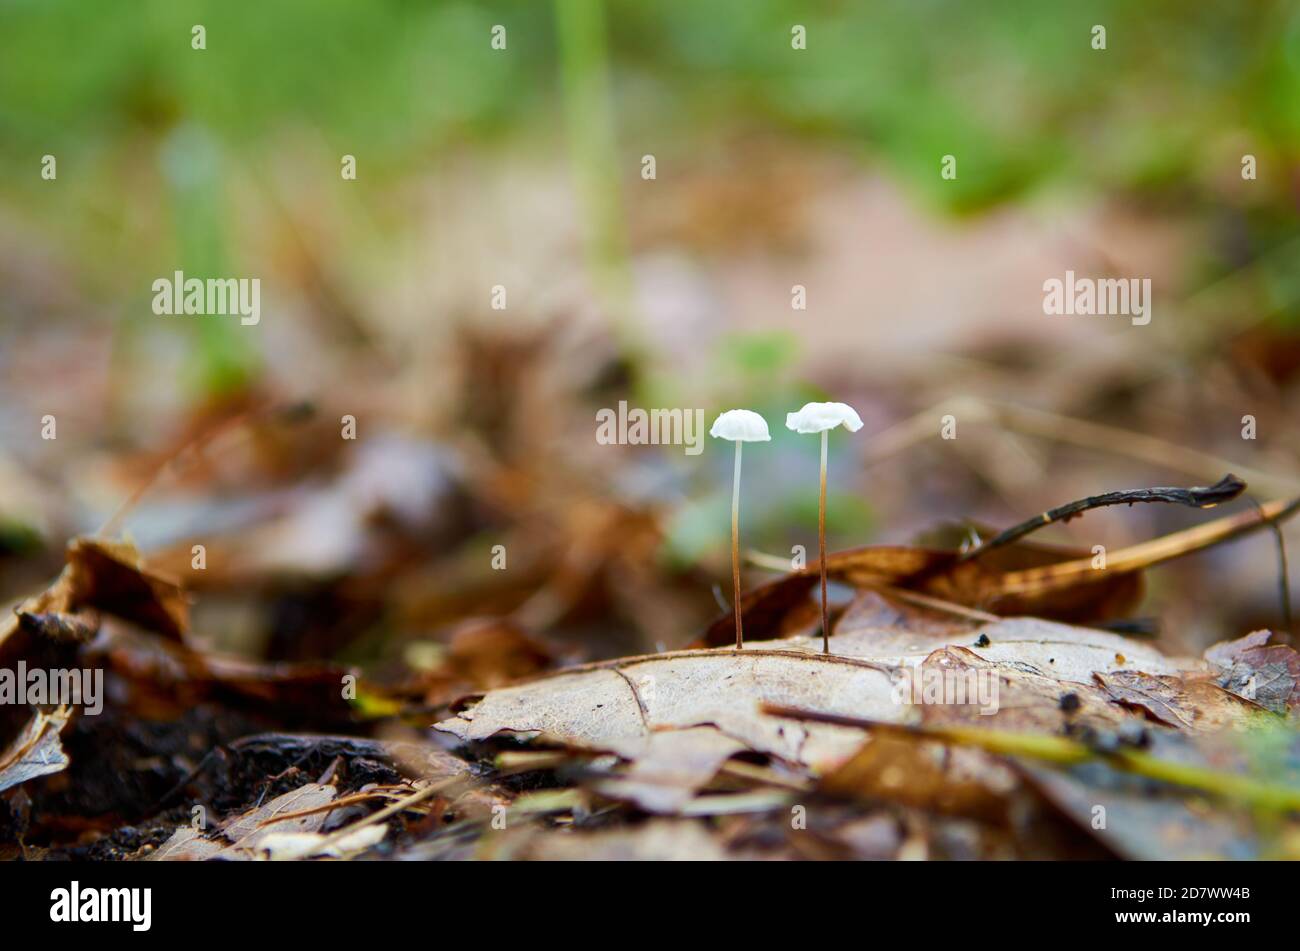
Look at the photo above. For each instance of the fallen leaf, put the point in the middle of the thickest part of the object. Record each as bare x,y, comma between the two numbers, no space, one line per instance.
670,768
240,837
940,573
927,776
289,846
1141,819
36,751
247,831
660,840
1252,668
1188,703
677,717
187,844
644,705
111,576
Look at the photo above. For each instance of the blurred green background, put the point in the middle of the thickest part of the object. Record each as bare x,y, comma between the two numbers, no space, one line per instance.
775,167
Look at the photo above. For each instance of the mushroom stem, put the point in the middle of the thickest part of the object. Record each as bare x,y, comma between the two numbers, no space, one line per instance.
821,545
735,547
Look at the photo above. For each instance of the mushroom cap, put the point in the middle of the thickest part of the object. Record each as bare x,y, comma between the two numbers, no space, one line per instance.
819,417
740,425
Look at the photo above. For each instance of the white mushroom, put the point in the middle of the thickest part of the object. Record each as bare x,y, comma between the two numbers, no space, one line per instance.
740,426
822,418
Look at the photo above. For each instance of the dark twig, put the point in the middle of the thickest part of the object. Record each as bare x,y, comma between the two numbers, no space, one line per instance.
1201,497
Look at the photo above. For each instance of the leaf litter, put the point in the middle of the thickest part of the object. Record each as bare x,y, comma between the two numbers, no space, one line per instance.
703,752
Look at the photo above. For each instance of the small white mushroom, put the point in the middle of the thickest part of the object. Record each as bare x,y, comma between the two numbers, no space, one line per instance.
740,426
822,418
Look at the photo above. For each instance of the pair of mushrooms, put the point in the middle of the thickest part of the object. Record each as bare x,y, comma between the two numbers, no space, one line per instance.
742,426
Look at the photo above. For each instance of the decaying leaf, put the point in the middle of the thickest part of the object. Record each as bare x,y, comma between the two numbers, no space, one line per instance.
1188,703
188,675
672,765
1059,651
111,576
243,836
1252,668
926,776
620,707
676,718
49,628
289,846
661,840
1138,818
1018,578
36,751
942,574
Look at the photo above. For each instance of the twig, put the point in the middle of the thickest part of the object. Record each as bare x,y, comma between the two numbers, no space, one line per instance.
1283,574
937,604
1066,573
1201,497
428,792
327,807
764,775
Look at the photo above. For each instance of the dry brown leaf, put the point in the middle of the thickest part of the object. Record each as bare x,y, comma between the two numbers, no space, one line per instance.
36,751
939,573
1060,651
677,717
107,575
671,767
169,669
247,830
661,840
187,844
1252,668
111,576
291,846
1188,703
618,707
927,776
240,837
1027,700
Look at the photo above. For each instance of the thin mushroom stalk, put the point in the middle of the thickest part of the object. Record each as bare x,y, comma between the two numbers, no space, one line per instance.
735,548
738,426
821,544
822,418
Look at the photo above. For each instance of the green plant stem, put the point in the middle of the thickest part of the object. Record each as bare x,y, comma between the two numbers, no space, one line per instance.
1067,752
